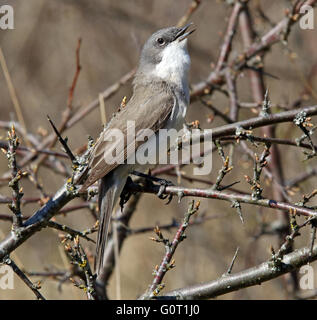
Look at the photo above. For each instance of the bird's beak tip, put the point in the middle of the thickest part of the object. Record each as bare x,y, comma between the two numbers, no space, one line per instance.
182,34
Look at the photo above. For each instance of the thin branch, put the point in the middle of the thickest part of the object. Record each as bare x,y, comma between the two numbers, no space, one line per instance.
230,32
191,9
221,195
170,248
270,38
24,278
62,141
280,117
246,278
72,232
80,114
16,175
233,261
14,97
269,140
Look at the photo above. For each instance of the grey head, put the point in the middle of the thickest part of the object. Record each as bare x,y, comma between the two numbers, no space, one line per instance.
165,55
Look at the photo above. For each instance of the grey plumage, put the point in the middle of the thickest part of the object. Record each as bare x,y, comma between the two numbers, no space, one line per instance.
160,98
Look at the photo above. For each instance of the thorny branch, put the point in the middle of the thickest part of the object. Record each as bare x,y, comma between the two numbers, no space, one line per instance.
223,78
34,287
16,175
170,247
246,278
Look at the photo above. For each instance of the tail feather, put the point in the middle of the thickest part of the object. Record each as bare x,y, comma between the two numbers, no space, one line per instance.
106,202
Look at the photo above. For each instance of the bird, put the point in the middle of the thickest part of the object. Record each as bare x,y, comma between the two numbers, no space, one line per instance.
159,101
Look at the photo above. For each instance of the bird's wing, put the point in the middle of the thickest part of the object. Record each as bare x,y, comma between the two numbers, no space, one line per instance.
150,114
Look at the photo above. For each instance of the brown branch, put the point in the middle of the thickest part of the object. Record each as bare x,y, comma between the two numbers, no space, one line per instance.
232,89
258,92
246,278
170,248
107,94
269,140
80,114
75,79
249,124
174,224
16,174
270,38
69,109
191,9
311,172
230,32
26,150
221,195
14,97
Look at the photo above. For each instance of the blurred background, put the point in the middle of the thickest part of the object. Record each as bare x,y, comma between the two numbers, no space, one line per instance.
40,55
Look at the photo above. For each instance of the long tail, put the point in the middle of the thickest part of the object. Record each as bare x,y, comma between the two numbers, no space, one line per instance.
110,188
109,192
105,204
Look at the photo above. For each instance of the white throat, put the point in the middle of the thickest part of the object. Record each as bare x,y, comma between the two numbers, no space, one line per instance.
175,64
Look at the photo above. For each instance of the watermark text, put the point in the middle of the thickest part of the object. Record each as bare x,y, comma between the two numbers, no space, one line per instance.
6,17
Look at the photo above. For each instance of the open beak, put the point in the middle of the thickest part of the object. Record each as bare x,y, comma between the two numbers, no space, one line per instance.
182,34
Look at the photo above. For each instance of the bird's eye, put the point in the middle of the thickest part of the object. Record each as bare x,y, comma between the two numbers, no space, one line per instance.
160,41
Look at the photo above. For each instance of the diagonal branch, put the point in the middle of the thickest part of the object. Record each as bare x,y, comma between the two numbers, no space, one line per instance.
247,278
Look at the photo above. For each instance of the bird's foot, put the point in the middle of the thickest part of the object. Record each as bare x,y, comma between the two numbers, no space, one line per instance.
163,184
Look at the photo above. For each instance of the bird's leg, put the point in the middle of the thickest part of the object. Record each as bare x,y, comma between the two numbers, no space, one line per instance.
125,194
163,184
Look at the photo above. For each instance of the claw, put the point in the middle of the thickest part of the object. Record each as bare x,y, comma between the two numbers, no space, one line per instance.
161,191
170,198
164,183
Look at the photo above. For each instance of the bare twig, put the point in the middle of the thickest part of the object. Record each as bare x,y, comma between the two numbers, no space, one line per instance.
232,262
79,258
222,195
246,278
14,97
34,287
170,247
16,175
191,9
62,141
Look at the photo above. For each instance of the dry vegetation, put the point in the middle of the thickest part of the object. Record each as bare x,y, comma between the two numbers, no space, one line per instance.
239,51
